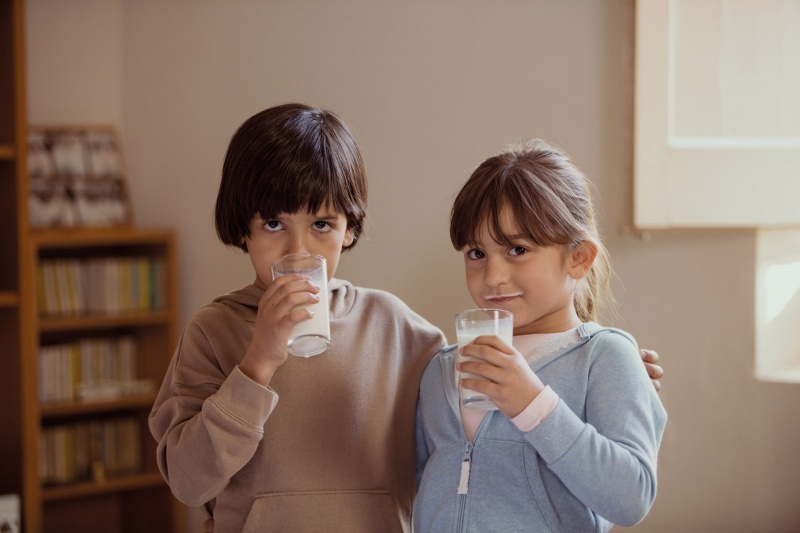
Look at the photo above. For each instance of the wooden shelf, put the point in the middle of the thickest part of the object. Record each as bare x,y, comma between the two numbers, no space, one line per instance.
8,299
104,321
111,485
7,152
83,237
139,401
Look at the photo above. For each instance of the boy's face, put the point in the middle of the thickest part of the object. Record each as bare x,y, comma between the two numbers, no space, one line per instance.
322,233
536,283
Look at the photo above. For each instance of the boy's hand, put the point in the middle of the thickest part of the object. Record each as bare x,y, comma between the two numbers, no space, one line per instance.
277,315
650,358
505,375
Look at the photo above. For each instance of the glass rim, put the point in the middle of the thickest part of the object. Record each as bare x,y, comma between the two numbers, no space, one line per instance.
300,263
462,314
298,255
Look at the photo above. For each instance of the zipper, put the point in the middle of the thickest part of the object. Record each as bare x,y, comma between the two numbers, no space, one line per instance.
463,485
466,463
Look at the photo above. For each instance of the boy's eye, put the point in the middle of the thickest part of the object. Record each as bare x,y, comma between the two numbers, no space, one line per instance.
272,225
518,250
322,226
475,254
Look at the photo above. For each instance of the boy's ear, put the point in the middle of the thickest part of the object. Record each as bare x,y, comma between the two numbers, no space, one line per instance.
580,260
349,237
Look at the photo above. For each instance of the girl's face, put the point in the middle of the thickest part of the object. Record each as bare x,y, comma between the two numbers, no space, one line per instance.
536,283
322,233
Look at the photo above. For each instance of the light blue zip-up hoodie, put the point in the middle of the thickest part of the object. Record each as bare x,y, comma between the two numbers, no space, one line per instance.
590,464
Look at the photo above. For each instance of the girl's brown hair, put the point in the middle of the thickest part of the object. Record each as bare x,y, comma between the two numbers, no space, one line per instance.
550,202
284,159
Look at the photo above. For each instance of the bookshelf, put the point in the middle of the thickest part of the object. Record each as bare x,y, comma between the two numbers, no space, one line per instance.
79,378
135,497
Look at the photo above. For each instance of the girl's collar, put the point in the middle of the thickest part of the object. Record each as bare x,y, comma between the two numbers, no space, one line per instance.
538,345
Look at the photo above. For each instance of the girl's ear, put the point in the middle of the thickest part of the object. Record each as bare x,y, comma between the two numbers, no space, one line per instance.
580,260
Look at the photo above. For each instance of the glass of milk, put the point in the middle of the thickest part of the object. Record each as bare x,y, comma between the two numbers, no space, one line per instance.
473,323
313,336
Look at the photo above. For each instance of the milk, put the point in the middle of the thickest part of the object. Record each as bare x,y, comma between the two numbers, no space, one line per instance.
319,325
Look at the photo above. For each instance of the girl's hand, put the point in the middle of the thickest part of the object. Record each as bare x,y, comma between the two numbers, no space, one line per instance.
650,358
274,322
505,376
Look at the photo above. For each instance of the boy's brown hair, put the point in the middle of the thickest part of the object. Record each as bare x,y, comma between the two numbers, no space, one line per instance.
285,159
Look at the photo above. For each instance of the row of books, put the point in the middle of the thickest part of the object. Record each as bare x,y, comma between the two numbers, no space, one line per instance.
100,285
90,369
90,450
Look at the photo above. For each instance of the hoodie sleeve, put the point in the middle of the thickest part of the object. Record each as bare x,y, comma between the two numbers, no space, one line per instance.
207,425
608,461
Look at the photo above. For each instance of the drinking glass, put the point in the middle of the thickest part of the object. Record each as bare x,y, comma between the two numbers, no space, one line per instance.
473,323
312,336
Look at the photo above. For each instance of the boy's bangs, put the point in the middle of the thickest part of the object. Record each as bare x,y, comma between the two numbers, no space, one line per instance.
308,191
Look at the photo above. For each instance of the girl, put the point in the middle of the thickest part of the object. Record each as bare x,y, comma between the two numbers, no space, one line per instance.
574,444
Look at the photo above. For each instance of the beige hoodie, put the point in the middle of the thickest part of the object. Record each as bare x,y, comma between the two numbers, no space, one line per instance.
334,454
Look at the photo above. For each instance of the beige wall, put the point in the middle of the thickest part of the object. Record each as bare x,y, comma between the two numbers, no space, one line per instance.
430,88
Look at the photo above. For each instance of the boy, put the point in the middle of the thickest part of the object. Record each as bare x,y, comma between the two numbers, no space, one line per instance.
335,453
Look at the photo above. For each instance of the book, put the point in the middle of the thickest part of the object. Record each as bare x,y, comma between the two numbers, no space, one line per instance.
90,450
90,369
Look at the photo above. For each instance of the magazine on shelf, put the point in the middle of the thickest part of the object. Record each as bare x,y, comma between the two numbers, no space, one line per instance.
76,177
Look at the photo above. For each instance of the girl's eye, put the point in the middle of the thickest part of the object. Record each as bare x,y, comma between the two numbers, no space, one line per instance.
322,226
272,225
475,254
518,250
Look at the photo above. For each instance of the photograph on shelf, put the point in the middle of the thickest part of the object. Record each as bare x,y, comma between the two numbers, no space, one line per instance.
76,178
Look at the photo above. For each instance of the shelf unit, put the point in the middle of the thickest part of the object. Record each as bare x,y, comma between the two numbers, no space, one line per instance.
109,501
136,501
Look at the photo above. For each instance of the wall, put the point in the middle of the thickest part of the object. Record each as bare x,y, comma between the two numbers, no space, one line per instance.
75,61
430,89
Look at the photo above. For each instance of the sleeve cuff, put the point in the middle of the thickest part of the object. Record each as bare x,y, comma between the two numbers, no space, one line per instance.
251,402
536,411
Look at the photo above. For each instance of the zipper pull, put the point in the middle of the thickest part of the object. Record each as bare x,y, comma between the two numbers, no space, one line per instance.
463,484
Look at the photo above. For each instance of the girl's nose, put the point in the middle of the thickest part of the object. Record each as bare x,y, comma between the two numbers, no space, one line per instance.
495,272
